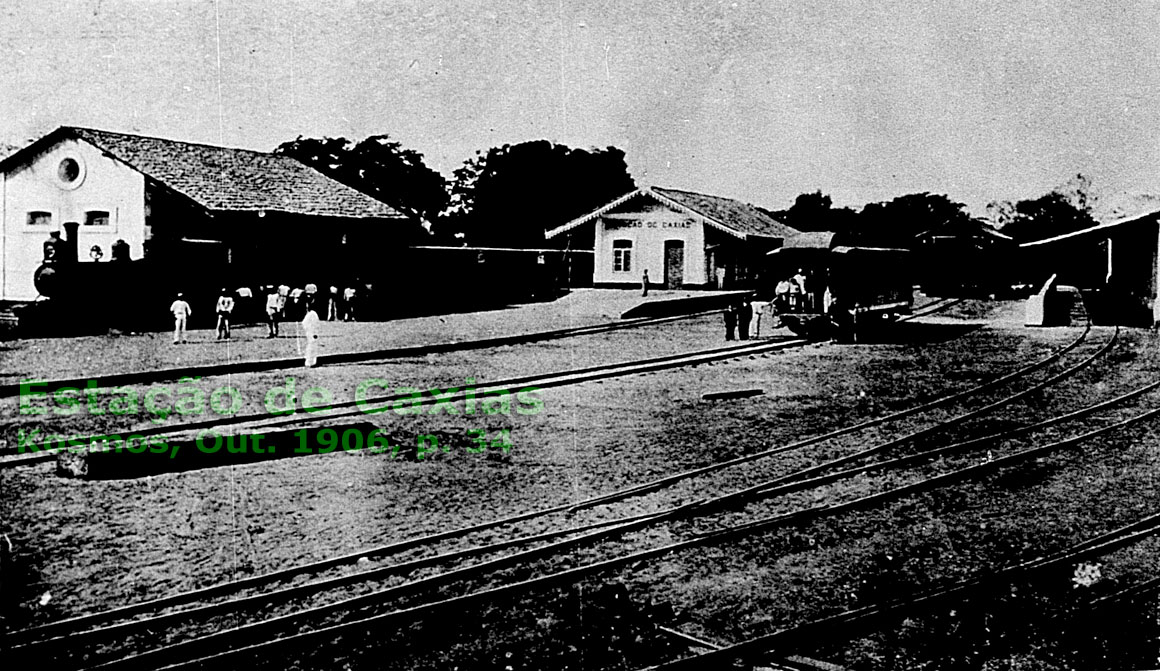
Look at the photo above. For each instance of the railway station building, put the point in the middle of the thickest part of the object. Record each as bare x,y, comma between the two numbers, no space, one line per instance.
1115,265
202,210
683,239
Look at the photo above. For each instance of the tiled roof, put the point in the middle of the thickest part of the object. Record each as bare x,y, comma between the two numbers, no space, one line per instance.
810,240
733,216
227,179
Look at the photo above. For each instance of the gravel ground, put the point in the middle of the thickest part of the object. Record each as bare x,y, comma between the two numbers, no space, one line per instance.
86,545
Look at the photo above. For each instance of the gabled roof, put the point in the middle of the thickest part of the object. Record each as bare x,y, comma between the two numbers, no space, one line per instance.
966,228
223,179
1107,226
810,240
739,219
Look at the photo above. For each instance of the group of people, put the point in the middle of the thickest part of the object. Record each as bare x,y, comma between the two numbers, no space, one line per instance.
792,293
737,318
282,303
181,312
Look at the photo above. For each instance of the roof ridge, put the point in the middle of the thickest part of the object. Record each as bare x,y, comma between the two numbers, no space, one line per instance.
711,195
182,167
182,142
695,193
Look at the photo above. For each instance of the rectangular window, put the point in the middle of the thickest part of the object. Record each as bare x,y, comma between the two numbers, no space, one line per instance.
96,218
622,256
39,219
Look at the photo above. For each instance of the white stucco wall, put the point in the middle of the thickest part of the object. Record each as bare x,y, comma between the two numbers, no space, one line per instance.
105,185
648,234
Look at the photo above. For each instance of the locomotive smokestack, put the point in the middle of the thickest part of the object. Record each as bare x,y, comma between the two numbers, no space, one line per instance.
70,242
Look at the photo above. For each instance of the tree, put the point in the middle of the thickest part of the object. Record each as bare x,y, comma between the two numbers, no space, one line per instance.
511,195
809,206
379,167
1065,209
814,212
895,223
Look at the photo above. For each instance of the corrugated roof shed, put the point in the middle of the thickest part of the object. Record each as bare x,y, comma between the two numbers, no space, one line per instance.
228,179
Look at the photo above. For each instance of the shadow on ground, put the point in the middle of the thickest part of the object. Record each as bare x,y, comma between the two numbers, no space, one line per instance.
915,333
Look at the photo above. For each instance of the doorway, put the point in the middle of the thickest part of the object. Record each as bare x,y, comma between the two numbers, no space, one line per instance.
674,264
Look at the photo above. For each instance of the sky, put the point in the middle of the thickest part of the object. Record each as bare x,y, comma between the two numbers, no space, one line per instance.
756,100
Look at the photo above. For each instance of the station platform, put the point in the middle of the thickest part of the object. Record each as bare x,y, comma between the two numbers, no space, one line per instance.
47,358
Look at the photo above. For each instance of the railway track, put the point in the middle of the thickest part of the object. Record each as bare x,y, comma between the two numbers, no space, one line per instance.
8,390
372,405
396,618
826,630
43,452
620,529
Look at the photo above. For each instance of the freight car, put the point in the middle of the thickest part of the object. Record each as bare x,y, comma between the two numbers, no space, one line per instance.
839,292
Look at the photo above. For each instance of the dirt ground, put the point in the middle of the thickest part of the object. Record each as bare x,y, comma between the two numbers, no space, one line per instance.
88,545
46,358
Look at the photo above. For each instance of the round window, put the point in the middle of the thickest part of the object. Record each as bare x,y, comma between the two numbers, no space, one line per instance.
71,172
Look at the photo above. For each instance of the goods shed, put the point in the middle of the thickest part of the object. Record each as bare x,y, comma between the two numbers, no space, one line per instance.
84,196
1114,265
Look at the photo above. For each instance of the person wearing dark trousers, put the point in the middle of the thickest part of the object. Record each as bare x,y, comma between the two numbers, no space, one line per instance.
744,315
644,284
225,307
348,299
730,321
273,309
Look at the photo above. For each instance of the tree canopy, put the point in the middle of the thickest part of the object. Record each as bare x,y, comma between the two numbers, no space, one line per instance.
896,222
379,167
1065,209
509,196
815,212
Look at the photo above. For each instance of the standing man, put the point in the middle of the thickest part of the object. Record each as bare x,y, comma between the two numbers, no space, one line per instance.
310,325
273,310
799,281
744,315
332,305
181,312
225,306
348,298
296,305
781,295
759,307
644,283
283,296
730,321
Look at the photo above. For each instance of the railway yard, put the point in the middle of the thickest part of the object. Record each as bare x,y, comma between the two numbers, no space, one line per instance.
958,492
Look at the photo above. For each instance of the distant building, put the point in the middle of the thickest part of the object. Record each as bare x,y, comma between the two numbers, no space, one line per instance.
1116,264
683,239
201,206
